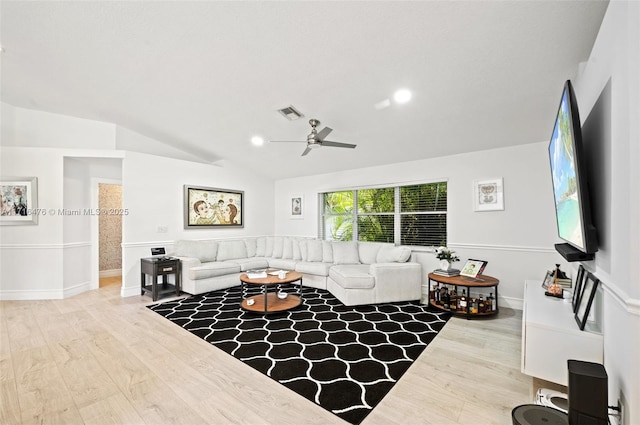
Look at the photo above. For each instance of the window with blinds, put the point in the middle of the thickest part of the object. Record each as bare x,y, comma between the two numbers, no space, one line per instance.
404,215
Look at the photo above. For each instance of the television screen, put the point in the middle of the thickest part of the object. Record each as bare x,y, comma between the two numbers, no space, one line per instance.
573,213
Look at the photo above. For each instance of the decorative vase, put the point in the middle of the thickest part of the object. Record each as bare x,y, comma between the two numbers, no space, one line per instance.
445,264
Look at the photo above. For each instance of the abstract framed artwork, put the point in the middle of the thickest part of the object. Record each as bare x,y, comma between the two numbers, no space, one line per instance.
488,195
587,294
297,207
19,200
212,207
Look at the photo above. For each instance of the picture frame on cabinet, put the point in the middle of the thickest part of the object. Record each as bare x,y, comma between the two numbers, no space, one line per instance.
577,288
587,294
19,201
548,279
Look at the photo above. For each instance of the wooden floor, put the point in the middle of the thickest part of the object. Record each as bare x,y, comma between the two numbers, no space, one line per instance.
97,358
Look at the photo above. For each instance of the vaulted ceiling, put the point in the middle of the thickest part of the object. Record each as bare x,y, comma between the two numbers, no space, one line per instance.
205,77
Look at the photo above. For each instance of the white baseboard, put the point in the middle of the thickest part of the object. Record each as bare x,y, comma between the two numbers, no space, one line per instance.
51,294
111,273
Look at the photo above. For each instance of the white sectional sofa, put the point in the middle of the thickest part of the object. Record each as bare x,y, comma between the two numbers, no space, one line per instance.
354,272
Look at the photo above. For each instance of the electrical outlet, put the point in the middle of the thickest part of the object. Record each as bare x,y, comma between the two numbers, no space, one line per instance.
162,229
620,412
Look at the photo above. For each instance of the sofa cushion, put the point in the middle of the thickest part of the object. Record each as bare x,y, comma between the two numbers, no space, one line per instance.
252,247
282,263
368,251
345,253
327,252
268,249
278,246
213,269
314,268
295,248
202,250
229,250
352,276
261,244
393,254
287,248
314,250
250,263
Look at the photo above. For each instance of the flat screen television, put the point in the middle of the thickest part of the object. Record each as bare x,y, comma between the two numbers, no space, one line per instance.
570,185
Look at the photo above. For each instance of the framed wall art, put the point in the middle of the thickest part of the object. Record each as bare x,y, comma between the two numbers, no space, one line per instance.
296,209
587,294
19,200
577,288
488,195
212,207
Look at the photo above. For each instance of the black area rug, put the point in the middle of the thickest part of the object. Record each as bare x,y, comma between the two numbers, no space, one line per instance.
345,359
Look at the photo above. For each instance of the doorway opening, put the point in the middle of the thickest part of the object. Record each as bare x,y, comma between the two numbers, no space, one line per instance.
110,234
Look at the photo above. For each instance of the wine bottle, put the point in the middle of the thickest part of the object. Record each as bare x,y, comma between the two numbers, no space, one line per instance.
481,305
494,302
446,298
462,303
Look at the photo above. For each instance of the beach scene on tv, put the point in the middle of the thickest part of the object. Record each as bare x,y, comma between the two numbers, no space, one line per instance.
564,177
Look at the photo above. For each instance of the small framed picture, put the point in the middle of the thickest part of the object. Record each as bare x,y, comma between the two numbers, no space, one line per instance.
19,201
211,207
587,294
548,279
473,268
296,209
488,195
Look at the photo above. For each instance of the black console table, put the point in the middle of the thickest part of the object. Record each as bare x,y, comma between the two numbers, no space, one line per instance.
159,266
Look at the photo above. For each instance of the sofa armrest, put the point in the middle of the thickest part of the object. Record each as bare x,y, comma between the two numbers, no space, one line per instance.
187,264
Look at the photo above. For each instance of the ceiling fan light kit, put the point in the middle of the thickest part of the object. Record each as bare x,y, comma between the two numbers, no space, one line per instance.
316,138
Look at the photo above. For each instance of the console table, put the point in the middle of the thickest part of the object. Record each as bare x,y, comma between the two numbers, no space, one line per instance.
159,266
483,281
551,336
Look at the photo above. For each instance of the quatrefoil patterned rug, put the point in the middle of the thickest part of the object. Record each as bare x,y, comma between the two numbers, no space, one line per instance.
345,359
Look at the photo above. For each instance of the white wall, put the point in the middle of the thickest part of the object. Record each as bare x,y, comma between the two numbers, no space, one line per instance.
517,242
57,257
615,60
153,196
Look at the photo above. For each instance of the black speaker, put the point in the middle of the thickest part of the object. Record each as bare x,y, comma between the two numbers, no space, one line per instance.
587,393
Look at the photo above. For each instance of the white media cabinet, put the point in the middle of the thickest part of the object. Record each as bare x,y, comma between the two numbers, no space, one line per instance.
551,336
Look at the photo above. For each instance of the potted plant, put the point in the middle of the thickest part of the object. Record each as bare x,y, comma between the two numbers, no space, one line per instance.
446,257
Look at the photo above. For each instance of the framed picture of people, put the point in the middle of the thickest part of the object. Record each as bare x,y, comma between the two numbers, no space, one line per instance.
213,207
19,201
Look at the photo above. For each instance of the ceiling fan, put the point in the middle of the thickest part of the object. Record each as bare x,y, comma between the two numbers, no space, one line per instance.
316,138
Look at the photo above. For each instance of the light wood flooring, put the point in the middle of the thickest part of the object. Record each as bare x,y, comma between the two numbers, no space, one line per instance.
97,358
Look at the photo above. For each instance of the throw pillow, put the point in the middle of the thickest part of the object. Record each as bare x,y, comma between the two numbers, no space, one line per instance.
261,244
314,250
287,248
393,254
252,247
278,245
295,245
345,253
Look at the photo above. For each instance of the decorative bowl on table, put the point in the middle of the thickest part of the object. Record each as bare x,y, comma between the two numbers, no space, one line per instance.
251,301
282,295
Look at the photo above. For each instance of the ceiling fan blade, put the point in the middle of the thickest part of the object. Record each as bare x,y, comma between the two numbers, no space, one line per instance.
288,141
306,151
338,144
323,133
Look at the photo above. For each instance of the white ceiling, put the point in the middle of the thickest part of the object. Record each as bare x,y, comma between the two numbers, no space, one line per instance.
206,76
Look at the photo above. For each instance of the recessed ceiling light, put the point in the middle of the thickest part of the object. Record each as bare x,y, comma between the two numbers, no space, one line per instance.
257,141
402,96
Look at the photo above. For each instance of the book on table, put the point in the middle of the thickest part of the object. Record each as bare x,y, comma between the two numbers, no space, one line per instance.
450,272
